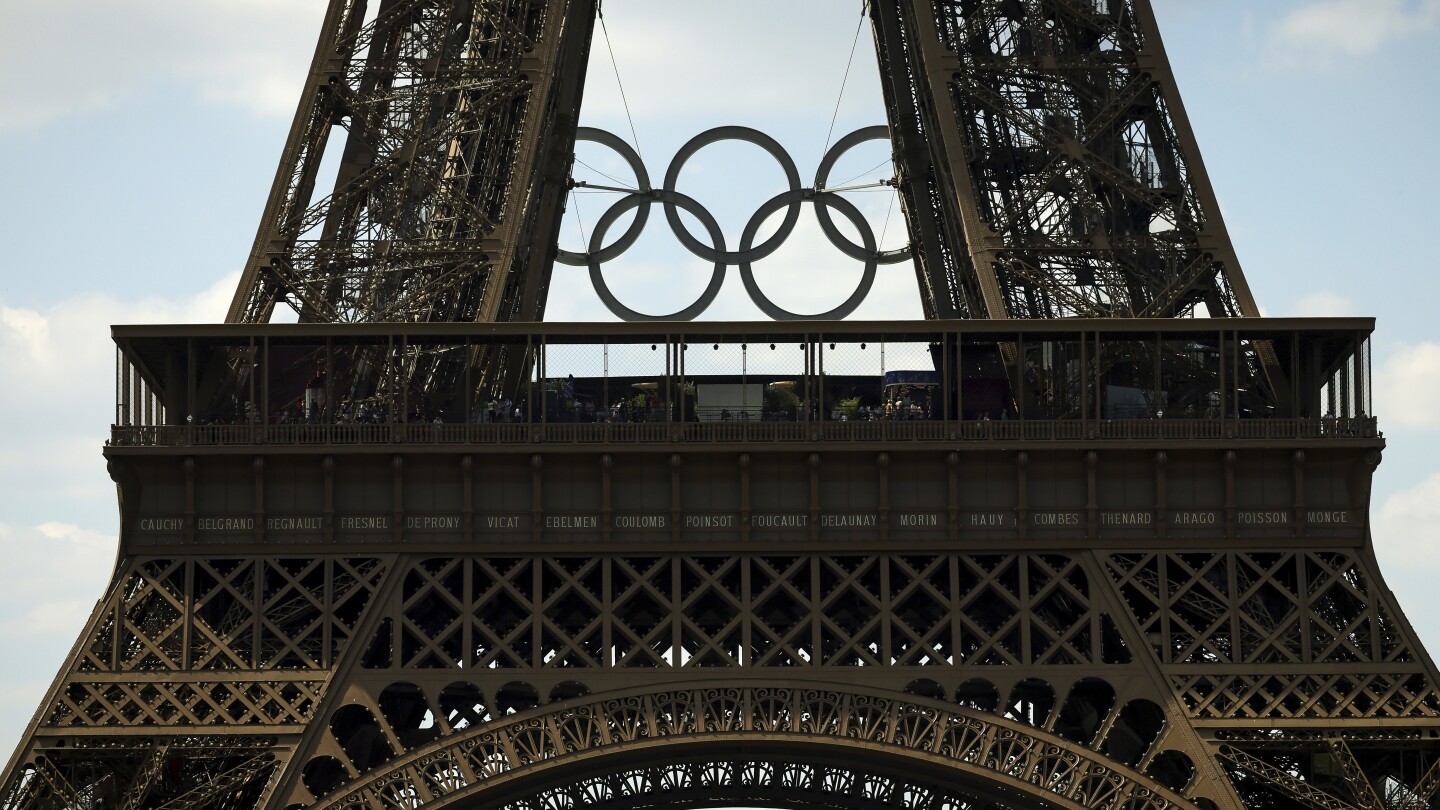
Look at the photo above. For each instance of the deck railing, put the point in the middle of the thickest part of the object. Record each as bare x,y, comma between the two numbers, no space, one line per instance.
742,432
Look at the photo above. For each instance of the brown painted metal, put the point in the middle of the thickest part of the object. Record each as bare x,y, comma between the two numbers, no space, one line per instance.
1046,163
1076,605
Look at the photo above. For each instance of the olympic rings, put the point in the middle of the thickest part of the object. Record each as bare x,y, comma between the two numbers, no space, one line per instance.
747,253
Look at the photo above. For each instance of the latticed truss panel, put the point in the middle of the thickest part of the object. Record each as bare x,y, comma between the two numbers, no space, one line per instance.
1261,608
1061,180
221,773
1272,696
236,641
1276,613
91,703
623,611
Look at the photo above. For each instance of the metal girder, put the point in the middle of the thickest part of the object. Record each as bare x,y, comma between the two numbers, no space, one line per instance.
455,114
1071,180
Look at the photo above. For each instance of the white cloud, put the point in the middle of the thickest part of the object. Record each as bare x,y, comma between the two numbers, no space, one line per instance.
1318,31
1321,304
59,502
1407,386
59,366
1408,548
53,575
69,57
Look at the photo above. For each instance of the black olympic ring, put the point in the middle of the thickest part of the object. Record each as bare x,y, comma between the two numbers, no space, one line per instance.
791,200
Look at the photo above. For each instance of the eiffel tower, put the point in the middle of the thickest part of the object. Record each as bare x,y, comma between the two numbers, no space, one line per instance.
1087,548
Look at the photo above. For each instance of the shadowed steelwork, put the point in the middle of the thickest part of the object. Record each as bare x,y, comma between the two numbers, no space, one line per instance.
1055,546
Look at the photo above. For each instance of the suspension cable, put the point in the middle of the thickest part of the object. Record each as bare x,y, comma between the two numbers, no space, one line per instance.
844,81
600,11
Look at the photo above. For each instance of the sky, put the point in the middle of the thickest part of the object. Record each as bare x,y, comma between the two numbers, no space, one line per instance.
133,170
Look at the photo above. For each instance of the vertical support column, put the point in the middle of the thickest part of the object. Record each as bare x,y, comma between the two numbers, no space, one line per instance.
397,496
264,372
250,409
467,495
1298,464
882,470
1159,372
1229,494
188,466
328,413
1224,395
327,469
952,495
744,464
814,463
675,466
821,411
1022,494
467,399
607,499
1162,512
537,503
960,376
257,469
1092,497
190,410
1099,374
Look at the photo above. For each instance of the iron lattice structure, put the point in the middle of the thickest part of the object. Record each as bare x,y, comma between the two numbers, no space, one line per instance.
1046,164
1068,607
459,125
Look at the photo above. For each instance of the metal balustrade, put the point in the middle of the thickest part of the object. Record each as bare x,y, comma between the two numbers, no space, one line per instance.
919,431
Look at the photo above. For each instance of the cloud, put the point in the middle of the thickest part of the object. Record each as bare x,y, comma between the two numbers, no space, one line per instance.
1319,31
54,573
78,56
58,364
1407,386
1321,304
38,558
59,367
1404,532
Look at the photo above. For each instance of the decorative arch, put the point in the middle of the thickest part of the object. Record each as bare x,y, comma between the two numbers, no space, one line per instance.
514,760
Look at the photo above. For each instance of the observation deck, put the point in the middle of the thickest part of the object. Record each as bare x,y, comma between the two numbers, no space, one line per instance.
979,434
352,387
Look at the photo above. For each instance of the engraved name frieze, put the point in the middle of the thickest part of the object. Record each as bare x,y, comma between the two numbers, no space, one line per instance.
988,520
1186,518
1263,517
1125,519
364,523
1326,517
640,521
846,521
572,522
710,521
499,523
433,523
1056,520
917,520
295,523
161,524
225,524
779,521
